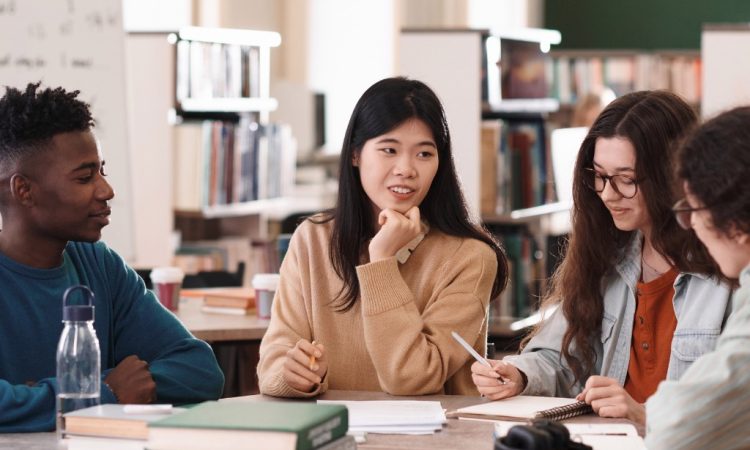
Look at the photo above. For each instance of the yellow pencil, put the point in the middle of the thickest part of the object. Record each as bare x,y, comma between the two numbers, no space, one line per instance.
312,358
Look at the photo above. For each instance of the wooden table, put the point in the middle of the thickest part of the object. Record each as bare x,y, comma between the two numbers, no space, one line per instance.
456,434
219,327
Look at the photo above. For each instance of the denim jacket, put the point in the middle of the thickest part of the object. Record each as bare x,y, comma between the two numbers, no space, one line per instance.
701,305
707,408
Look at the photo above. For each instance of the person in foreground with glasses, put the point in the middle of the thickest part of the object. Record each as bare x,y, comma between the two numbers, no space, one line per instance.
626,308
708,407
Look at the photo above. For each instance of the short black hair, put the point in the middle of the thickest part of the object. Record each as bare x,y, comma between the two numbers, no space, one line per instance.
715,162
29,119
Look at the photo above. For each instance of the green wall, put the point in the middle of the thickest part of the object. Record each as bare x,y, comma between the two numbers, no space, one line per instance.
638,24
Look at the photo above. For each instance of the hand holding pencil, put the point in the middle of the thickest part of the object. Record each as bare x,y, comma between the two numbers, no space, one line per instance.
493,379
305,365
499,380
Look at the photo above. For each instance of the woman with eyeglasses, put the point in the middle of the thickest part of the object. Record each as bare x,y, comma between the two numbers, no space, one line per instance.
627,305
708,407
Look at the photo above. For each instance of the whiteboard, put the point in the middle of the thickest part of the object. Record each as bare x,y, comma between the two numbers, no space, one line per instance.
79,45
726,68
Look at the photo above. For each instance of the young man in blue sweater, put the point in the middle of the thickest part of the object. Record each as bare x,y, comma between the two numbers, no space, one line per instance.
54,202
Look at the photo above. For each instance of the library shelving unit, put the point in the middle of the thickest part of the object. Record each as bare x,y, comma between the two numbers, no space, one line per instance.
578,72
234,169
244,165
493,88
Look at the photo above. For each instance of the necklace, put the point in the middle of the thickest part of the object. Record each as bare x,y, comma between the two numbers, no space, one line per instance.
648,267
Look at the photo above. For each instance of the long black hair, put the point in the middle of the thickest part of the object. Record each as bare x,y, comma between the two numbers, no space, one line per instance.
383,107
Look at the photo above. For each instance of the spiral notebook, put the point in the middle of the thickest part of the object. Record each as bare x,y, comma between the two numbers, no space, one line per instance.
524,407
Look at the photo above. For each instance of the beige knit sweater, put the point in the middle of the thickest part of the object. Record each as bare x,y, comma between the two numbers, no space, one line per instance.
396,338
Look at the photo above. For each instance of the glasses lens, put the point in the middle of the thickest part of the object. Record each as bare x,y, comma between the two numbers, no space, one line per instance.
682,212
626,186
592,180
598,182
683,218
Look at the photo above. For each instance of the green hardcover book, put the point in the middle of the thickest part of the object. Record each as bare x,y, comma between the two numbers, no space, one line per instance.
237,425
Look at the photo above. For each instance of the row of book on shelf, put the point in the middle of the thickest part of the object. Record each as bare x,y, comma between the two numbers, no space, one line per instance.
515,166
214,70
574,76
521,70
223,162
226,254
526,273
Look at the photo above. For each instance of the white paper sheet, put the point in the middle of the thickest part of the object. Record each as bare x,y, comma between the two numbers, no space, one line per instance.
393,416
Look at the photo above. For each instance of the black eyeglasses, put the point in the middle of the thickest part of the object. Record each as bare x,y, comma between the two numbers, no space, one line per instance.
624,185
683,213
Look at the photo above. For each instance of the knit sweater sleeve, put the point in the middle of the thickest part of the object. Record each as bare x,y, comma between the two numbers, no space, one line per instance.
414,353
184,368
289,323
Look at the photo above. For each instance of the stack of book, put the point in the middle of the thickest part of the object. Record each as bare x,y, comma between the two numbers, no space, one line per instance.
214,425
113,426
236,425
229,300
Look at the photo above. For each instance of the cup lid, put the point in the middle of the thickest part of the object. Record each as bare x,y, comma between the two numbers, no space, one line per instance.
167,275
267,281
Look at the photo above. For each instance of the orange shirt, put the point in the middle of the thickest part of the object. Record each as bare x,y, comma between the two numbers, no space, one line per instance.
653,328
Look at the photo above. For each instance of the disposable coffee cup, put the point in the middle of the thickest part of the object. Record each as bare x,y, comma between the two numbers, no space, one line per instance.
265,285
167,282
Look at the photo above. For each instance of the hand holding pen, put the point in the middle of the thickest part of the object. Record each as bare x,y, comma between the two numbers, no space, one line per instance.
494,379
305,365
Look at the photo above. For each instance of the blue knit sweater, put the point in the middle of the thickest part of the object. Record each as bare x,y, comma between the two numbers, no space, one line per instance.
129,320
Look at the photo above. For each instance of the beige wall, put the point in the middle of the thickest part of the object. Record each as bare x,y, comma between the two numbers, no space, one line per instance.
149,80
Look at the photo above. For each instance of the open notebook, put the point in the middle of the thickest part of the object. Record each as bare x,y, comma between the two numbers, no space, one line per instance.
524,407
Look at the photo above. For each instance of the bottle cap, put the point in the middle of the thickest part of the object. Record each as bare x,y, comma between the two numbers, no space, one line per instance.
78,313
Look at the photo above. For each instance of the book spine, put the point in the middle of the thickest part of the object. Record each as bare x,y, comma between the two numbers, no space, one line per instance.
321,434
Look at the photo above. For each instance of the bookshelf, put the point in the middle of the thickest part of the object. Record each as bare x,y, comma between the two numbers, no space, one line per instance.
235,169
578,72
495,97
232,161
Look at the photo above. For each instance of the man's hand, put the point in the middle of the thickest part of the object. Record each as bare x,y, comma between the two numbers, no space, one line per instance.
131,381
396,230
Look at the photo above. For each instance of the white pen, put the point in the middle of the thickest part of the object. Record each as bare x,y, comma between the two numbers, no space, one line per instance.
473,352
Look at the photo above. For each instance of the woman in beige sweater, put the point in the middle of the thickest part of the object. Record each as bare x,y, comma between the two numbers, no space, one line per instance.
371,290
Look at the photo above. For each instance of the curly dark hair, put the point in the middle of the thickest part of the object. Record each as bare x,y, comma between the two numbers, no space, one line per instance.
715,162
29,119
